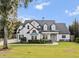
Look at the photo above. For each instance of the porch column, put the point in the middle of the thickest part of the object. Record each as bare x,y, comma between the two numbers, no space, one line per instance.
49,37
17,36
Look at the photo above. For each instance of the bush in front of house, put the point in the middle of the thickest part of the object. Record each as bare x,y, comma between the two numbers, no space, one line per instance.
61,40
42,41
23,40
77,40
45,41
33,41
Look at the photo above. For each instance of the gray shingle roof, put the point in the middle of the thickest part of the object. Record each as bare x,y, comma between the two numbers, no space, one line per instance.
41,22
61,27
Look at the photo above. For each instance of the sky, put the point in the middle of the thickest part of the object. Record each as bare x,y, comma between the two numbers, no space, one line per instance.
62,11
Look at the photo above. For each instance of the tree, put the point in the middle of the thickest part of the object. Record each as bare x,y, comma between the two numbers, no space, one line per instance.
74,29
8,9
12,27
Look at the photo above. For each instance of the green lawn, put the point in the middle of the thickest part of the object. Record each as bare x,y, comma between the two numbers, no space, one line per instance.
64,49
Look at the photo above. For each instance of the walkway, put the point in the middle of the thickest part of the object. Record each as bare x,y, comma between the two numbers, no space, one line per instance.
9,41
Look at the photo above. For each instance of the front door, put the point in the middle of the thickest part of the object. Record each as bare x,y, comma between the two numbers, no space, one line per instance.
53,37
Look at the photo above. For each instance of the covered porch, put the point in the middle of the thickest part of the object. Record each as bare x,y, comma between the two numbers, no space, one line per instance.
51,36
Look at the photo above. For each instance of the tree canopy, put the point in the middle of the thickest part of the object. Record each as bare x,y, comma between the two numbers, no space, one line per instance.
74,28
8,9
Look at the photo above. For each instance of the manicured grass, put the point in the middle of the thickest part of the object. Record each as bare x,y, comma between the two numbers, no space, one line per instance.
63,50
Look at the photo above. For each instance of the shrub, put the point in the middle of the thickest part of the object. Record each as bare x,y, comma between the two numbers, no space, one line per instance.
77,40
64,40
33,41
45,41
42,41
61,40
49,41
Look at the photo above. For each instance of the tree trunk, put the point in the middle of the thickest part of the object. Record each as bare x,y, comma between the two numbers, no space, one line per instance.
5,43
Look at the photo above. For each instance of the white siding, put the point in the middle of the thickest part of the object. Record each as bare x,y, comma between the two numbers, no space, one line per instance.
25,30
35,30
30,27
59,37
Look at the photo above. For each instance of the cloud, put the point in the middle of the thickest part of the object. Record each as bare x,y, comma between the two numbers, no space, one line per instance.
42,5
73,13
66,11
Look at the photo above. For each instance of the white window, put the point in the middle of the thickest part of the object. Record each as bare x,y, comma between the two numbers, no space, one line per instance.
63,36
28,26
53,27
35,24
45,27
34,37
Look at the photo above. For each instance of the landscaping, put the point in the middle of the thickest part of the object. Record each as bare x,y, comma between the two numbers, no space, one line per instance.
63,50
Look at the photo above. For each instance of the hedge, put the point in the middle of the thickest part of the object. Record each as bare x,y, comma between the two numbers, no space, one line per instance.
77,40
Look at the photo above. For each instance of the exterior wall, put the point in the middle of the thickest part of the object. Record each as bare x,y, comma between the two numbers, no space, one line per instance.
35,30
25,30
59,37
28,36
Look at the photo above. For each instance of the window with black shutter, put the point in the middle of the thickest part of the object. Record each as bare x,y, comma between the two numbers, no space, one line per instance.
28,27
63,36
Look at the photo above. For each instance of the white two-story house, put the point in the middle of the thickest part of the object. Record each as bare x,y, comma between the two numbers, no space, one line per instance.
43,29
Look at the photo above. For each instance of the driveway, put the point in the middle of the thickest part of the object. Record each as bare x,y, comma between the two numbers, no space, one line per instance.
9,41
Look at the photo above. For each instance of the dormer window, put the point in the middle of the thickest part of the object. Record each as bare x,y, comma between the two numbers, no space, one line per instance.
28,27
45,27
53,27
